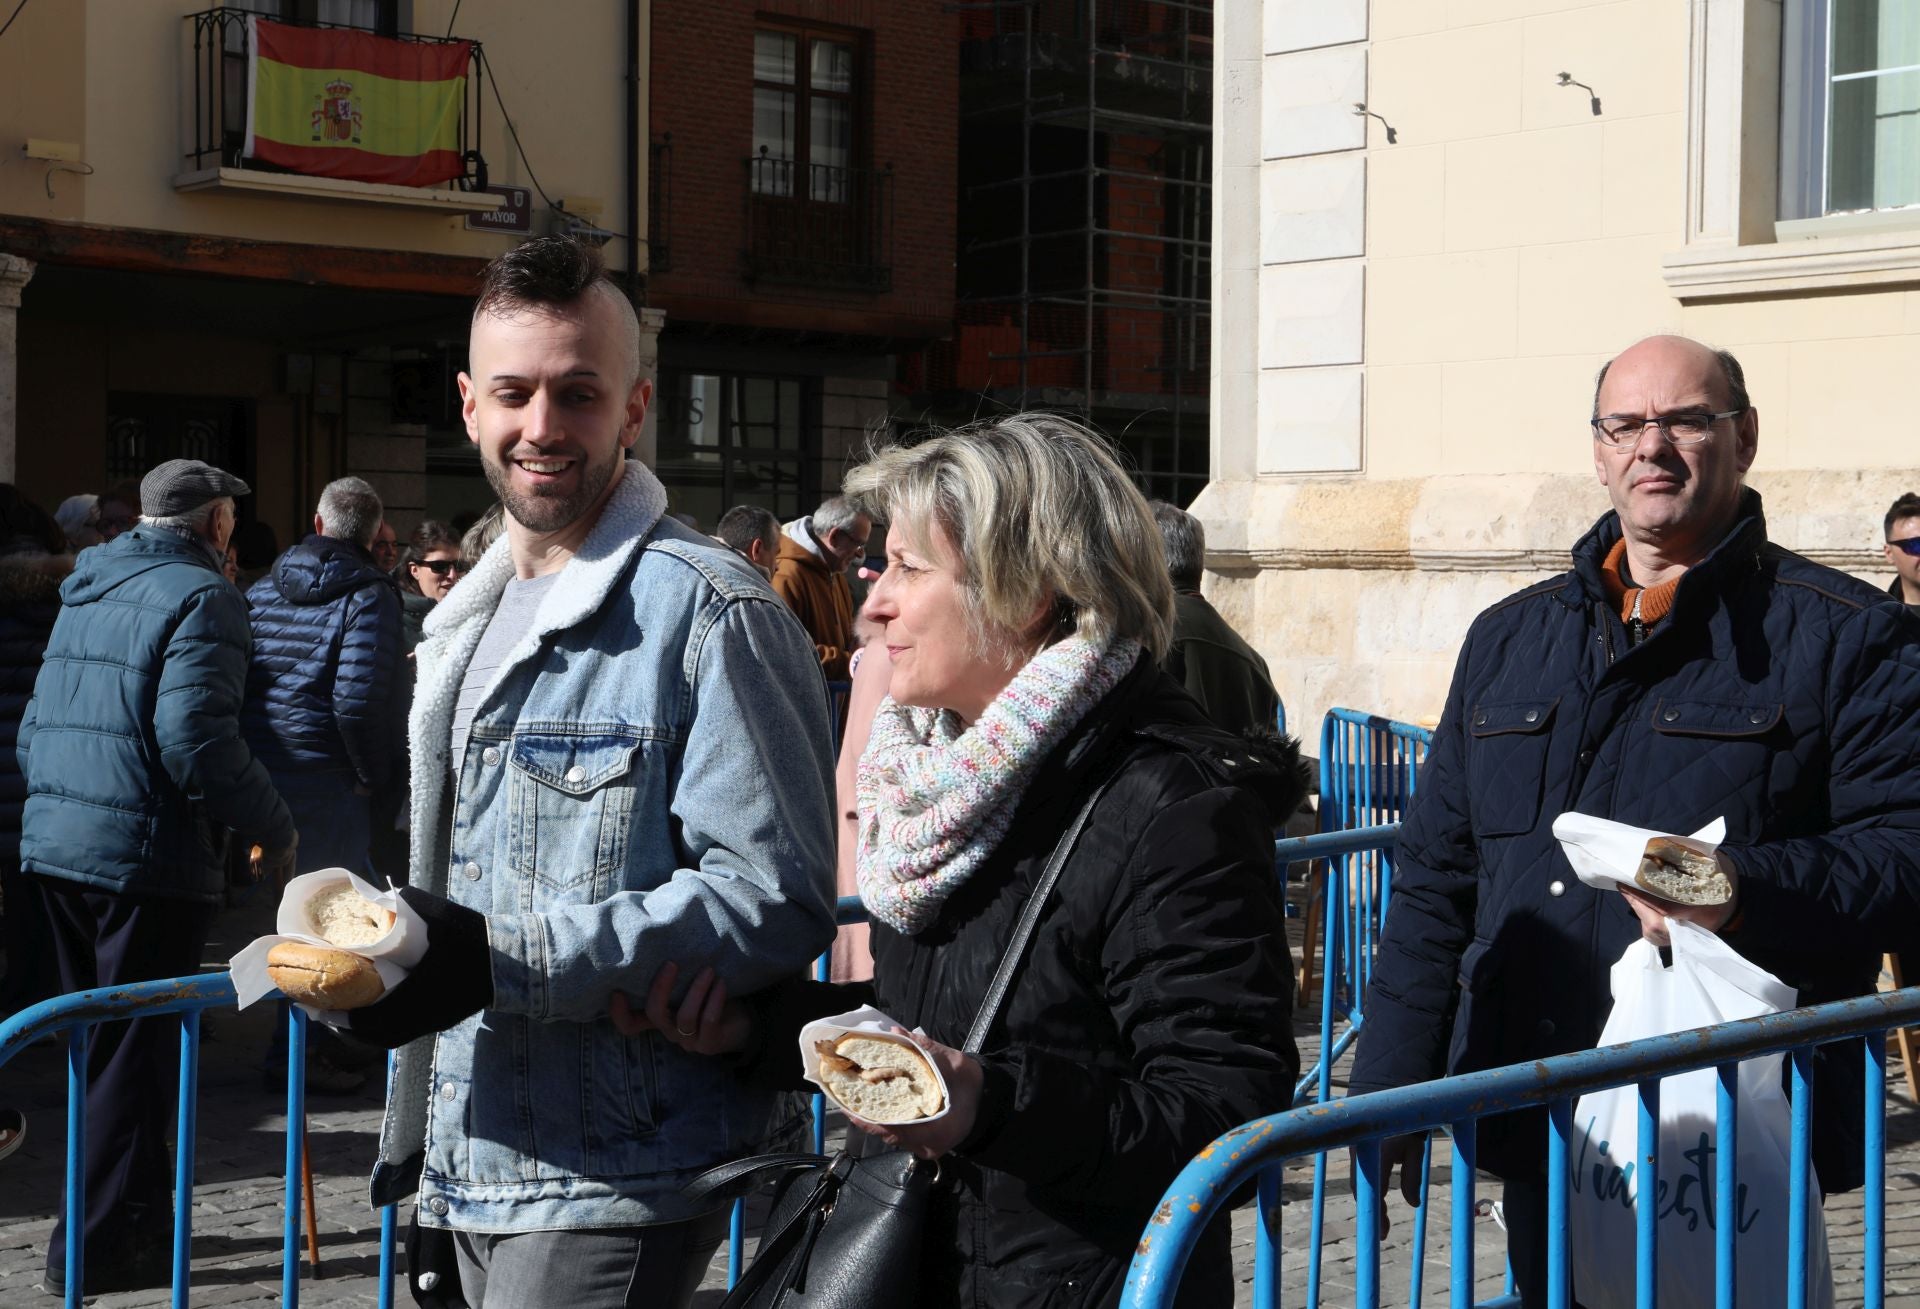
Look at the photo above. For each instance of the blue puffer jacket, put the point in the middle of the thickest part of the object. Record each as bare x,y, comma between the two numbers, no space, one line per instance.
29,602
321,690
131,744
1779,694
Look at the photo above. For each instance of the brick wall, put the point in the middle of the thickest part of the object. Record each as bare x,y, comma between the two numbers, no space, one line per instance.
702,93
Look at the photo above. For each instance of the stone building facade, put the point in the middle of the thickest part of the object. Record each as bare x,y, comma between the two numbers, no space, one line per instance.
1407,329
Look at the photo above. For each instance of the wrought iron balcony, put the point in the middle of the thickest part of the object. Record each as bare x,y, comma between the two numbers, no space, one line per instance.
818,224
219,77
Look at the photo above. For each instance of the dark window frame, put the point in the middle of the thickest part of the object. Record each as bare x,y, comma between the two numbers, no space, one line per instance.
856,98
165,416
804,456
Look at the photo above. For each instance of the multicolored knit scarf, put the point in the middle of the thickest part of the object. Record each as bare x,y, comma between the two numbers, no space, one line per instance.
934,800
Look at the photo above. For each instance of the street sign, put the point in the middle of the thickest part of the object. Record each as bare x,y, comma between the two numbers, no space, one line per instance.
515,213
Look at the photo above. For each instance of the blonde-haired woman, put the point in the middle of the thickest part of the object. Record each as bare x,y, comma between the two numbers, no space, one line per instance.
1025,607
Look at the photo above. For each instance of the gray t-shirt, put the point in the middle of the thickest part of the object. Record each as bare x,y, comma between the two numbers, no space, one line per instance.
518,604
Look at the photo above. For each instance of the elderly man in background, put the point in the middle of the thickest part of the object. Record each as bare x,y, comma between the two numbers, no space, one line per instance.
1219,669
323,687
1685,669
385,548
810,574
136,771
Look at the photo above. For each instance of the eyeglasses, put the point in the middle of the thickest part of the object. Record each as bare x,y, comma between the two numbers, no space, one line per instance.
441,567
1689,428
1909,546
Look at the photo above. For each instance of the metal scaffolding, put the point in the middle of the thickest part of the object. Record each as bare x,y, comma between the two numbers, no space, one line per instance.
1084,263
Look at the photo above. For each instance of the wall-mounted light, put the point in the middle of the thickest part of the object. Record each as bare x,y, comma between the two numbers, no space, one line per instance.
1360,108
1566,79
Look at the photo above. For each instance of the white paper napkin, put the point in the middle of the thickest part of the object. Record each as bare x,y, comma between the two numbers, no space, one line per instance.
392,955
1606,854
864,1019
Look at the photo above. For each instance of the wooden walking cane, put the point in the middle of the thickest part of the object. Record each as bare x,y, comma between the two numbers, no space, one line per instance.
306,1181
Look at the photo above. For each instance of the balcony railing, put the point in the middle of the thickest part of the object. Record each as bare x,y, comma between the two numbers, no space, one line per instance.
819,225
219,77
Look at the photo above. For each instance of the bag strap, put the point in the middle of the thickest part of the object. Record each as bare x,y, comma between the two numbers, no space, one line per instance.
771,1256
738,1176
1029,919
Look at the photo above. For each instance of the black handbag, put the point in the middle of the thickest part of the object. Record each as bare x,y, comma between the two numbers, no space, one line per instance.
844,1230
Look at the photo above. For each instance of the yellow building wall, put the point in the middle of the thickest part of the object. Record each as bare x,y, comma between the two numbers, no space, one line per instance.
115,78
1514,243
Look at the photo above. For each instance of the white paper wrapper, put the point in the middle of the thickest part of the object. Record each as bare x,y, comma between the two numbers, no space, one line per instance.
392,955
1606,854
864,1019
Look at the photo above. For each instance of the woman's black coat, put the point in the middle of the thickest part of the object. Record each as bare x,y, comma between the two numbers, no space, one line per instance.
1154,1011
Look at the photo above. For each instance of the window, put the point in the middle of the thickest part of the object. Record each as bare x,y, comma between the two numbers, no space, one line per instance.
729,440
1776,127
1849,107
803,114
817,213
146,430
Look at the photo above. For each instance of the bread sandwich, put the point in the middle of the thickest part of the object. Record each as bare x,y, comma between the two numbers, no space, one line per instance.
883,1079
1682,871
340,915
323,977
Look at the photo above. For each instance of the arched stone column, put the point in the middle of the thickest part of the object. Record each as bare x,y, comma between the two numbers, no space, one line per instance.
15,273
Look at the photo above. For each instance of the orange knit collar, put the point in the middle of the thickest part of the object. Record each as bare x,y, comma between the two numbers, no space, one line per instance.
1655,601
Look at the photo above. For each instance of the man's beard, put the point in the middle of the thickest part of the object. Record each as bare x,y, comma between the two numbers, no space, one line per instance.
548,512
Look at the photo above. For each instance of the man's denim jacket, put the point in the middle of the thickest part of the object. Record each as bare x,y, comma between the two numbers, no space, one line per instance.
647,780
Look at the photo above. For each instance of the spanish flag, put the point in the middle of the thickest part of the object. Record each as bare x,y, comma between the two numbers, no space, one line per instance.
337,103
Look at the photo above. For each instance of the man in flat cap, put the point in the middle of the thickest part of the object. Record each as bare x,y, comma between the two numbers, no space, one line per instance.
137,777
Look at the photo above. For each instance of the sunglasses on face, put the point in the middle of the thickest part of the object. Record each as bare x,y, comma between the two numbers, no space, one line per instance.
441,567
1909,546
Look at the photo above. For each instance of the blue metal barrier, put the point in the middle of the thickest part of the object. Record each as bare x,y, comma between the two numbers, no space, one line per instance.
76,1015
1259,1148
1369,766
1368,769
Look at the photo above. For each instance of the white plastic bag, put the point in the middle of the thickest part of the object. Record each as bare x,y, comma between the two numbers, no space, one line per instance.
1708,983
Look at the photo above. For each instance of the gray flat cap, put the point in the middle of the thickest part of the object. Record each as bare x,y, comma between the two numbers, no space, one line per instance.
181,486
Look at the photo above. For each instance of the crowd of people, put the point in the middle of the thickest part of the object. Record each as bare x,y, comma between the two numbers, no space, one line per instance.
591,745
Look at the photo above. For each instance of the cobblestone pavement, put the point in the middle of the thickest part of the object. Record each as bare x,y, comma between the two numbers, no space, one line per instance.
237,1213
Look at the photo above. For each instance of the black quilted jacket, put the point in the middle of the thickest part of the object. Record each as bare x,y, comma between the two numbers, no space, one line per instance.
1779,694
1153,1013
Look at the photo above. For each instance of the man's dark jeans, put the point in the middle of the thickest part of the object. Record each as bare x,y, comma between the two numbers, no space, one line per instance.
101,938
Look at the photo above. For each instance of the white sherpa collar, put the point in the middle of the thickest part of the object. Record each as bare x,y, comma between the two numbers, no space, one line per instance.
454,628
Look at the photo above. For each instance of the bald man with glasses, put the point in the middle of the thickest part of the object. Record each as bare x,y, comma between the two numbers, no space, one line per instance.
1685,668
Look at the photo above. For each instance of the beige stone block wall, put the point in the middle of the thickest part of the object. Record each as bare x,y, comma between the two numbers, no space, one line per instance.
1513,242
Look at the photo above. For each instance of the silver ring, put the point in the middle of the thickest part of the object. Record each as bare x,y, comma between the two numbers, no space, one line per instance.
683,1031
